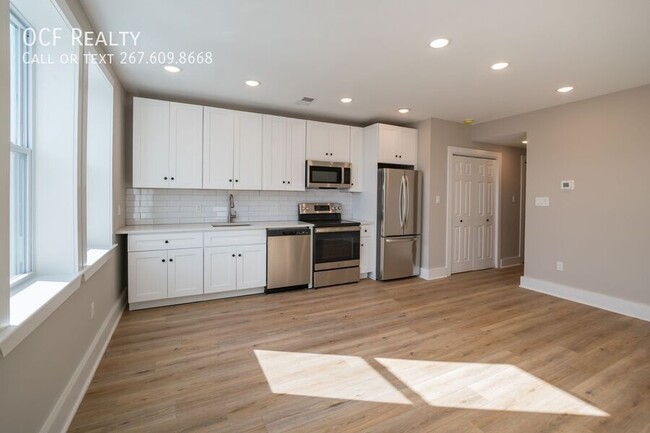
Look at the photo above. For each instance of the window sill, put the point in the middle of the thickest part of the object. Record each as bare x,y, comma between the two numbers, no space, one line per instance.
95,260
41,297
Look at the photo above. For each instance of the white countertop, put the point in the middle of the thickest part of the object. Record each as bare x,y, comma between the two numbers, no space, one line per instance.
207,227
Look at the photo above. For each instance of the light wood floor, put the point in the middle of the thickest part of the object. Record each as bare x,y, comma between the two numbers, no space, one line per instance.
193,368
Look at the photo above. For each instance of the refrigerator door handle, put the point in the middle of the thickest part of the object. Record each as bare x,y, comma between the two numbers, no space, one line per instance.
407,205
402,203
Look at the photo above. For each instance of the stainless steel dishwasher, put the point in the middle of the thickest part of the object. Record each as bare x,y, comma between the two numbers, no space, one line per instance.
288,259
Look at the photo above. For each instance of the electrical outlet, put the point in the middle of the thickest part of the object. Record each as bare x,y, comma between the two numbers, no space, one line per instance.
437,199
92,310
559,266
542,201
514,199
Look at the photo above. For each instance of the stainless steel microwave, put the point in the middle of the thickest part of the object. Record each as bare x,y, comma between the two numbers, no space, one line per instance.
328,175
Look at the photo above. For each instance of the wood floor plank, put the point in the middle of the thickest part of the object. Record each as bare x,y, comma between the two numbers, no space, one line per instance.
194,367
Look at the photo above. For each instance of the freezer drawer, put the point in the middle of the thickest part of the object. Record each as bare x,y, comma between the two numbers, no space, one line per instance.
399,257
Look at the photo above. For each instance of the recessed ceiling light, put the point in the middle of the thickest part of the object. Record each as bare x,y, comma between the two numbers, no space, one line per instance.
565,89
404,110
524,141
499,66
439,43
172,68
252,83
346,100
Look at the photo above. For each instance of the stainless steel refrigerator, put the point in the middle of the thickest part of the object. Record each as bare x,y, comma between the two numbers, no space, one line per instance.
399,223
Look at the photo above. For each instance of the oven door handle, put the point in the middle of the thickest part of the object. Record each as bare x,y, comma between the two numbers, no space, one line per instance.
338,229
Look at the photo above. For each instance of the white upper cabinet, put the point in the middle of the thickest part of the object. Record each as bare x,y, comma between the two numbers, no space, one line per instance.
232,149
397,145
328,142
356,153
167,144
283,154
185,145
150,143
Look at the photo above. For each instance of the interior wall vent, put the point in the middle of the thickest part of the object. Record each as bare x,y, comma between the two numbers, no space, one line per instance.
305,101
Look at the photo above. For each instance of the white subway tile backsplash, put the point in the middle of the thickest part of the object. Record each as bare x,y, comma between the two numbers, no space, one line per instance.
160,206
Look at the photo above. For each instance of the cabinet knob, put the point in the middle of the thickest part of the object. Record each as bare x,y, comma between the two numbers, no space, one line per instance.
284,181
171,260
400,157
163,260
461,220
229,180
166,242
289,181
236,180
361,244
233,255
165,178
172,178
239,255
396,156
488,220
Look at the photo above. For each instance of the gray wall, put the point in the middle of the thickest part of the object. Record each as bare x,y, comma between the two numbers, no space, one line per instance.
599,230
435,137
36,372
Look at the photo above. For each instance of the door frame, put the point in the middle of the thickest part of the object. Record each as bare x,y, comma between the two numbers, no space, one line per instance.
523,171
475,153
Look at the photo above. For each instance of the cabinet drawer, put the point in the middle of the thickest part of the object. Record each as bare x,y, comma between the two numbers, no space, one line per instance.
164,241
234,237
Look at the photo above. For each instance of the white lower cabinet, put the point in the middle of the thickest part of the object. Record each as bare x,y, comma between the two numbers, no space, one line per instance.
367,249
234,260
155,275
184,272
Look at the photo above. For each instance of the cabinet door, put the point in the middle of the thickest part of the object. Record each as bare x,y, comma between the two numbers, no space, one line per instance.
147,276
186,146
339,146
295,157
184,272
356,157
150,143
251,266
389,149
318,141
219,269
275,153
408,146
248,151
363,256
218,148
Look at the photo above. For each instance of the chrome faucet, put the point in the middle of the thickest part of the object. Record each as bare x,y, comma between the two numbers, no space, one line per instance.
232,213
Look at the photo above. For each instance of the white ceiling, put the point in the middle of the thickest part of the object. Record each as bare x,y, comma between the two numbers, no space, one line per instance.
377,52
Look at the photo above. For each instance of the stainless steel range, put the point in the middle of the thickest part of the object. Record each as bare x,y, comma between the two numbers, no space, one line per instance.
336,243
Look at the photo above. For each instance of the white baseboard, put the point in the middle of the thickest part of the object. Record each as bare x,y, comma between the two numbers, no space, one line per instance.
509,262
66,406
433,273
593,299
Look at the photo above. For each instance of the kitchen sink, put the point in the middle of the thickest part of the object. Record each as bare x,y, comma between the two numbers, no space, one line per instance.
230,224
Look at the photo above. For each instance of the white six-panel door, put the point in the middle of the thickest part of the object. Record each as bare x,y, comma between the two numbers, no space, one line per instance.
473,201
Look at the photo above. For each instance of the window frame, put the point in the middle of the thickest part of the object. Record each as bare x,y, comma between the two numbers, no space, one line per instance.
24,142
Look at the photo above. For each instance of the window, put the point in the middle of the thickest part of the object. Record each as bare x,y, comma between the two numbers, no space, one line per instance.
99,155
20,167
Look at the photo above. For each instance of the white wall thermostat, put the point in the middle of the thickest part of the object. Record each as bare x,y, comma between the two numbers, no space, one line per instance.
567,184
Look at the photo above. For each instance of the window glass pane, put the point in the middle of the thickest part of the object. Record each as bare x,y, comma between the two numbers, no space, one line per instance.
19,218
15,88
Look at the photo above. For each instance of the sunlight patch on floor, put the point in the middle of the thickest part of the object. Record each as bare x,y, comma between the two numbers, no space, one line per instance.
326,376
485,386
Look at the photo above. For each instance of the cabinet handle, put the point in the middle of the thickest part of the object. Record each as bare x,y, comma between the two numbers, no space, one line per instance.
163,260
